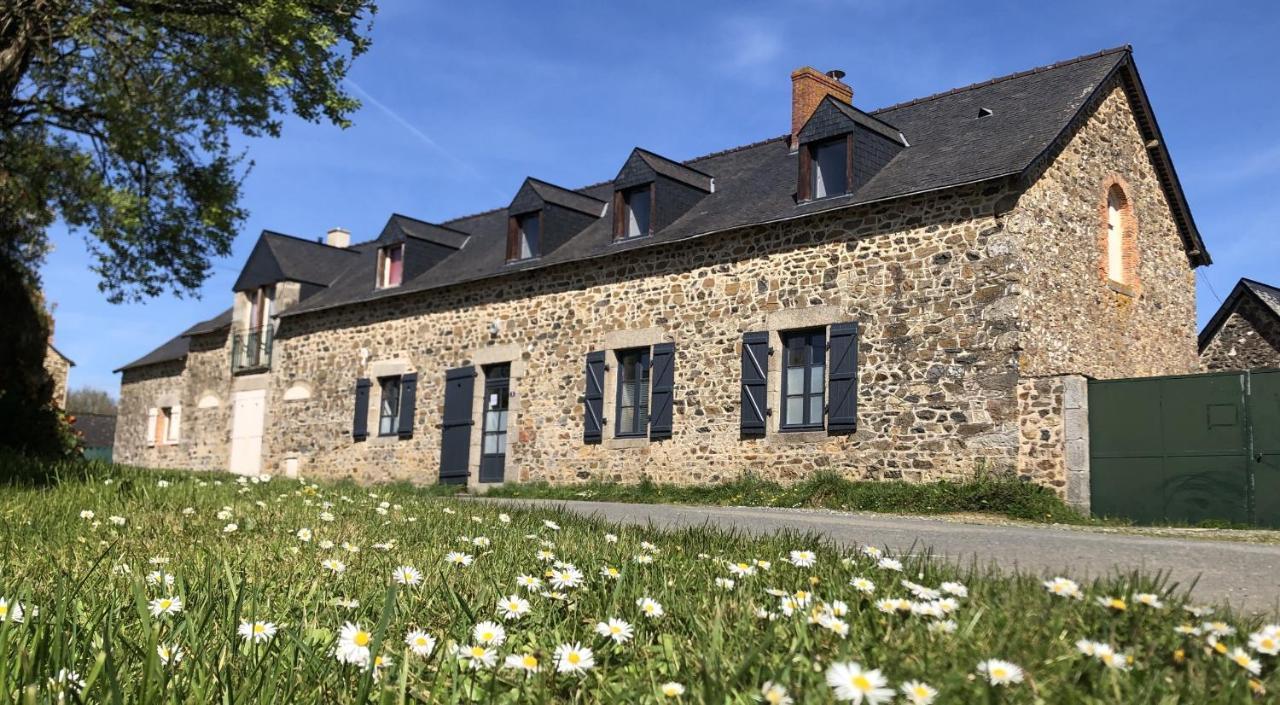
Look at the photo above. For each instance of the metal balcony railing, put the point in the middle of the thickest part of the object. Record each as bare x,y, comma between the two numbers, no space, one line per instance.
251,349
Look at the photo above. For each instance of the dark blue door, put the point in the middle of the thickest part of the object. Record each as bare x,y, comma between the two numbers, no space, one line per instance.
493,445
455,434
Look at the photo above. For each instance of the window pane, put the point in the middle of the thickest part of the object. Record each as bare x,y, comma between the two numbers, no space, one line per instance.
829,177
627,420
816,380
490,444
530,235
796,353
627,396
795,380
502,443
502,421
815,410
492,419
395,269
794,411
638,212
628,361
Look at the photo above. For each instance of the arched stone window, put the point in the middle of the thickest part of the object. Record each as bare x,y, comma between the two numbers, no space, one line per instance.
1118,241
297,392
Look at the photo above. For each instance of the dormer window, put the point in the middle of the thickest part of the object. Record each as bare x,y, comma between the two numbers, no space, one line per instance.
391,265
828,165
524,236
635,212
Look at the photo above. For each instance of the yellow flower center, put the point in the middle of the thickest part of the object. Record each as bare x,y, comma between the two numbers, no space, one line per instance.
4,610
486,636
361,639
529,661
743,566
920,691
1220,648
574,657
999,672
615,629
164,604
861,683
259,628
1242,659
420,641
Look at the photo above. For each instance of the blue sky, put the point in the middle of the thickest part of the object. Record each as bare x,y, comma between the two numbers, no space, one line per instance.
463,100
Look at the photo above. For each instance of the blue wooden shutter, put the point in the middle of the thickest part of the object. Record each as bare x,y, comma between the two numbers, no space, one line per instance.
360,425
593,399
755,379
662,377
842,378
408,403
455,426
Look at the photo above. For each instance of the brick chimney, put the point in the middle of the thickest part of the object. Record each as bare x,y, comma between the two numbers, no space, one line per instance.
338,237
808,87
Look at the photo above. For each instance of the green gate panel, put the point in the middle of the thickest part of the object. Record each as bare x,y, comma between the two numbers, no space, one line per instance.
1264,412
1124,418
1205,487
1203,415
1129,488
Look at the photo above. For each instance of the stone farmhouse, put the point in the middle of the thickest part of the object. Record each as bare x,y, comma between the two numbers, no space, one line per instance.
918,292
1244,333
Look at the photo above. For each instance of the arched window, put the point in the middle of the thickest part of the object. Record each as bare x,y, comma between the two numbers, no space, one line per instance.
1118,238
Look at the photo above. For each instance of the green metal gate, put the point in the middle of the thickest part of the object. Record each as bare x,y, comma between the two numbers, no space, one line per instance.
1187,449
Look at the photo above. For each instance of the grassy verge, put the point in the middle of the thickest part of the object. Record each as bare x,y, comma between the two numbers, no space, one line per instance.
989,495
89,558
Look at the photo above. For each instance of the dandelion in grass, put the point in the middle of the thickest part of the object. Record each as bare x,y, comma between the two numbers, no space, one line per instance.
999,672
489,633
802,559
420,643
618,630
610,573
890,564
567,576
334,566
1063,587
1266,640
551,525
671,689
257,632
742,570
862,585
774,694
353,645
726,584
574,658
165,606
459,559
1242,659
10,612
407,575
304,534
918,692
1115,604
170,654
529,582
513,607
522,662
856,685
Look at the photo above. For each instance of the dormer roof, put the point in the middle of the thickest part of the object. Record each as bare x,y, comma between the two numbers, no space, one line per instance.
642,166
277,257
399,227
534,193
835,117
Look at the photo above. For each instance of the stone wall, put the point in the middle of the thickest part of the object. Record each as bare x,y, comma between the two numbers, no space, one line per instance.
141,389
937,375
1075,321
59,369
1250,337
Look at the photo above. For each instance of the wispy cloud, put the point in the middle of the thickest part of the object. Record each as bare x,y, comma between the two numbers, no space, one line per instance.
750,42
1258,163
421,136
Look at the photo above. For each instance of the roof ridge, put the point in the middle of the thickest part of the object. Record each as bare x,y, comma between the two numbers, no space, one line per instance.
669,160
1001,79
299,238
397,214
558,187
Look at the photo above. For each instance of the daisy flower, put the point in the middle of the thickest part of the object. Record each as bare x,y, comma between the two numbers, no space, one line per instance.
1116,604
529,582
156,577
616,629
257,632
650,607
1218,628
890,564
458,558
1242,659
67,680
164,606
477,656
117,520
1187,630
1266,641
802,559
773,694
1063,587
420,642
481,542
1149,600
999,672
957,589
513,607
742,570
725,583
522,662
565,577
862,585
573,658
918,692
763,565
504,518
643,559
489,633
872,552
334,565
610,538
86,514
230,528
1088,648
852,683
1111,658
672,689
610,573
649,548
353,645
920,591
551,525
169,653
304,534
407,575
10,613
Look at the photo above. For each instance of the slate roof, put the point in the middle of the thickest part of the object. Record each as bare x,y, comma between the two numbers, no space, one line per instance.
176,347
292,258
1028,115
560,196
96,430
404,225
1264,294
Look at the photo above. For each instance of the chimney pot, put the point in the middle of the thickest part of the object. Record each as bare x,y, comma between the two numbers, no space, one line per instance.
338,237
808,87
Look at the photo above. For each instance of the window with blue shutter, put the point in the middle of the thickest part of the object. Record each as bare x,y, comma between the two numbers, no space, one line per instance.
755,366
593,399
804,357
408,404
842,380
663,364
360,424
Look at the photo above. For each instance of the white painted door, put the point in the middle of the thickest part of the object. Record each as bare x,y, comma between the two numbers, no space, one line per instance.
248,415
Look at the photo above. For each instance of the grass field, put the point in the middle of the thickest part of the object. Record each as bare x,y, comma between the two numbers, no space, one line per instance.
125,586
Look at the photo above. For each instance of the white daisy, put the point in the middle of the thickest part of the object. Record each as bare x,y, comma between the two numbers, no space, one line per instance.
1266,640
1242,659
353,645
522,662
726,584
458,558
650,607
890,564
671,689
10,612
803,559
573,658
957,589
774,694
165,606
863,585
852,683
169,653
407,575
513,607
489,633
742,570
918,692
1149,600
999,672
551,525
610,538
529,582
476,656
1063,587
616,629
257,632
86,514
566,576
304,534
334,565
420,642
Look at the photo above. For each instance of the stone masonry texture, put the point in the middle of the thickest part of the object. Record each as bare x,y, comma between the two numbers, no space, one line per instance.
1249,338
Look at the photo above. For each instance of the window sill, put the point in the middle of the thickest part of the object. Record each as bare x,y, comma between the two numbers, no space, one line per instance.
627,442
798,436
389,439
523,260
1123,289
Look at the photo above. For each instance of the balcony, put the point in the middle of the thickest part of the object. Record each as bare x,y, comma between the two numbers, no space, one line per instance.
251,350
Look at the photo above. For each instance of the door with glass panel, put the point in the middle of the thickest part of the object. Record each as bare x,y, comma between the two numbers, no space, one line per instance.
493,445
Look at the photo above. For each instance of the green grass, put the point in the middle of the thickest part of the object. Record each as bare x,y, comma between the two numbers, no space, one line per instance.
93,615
1003,496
